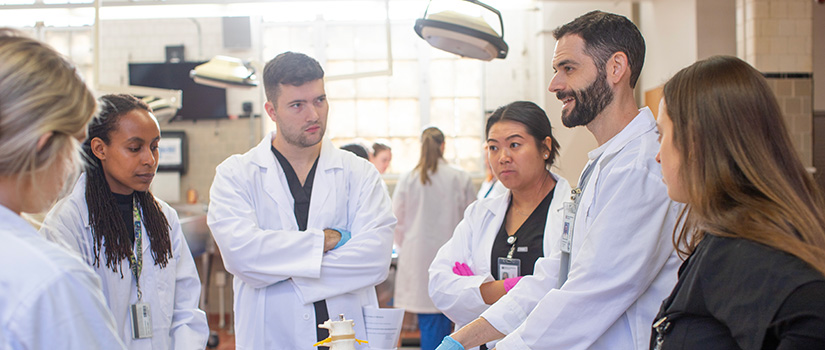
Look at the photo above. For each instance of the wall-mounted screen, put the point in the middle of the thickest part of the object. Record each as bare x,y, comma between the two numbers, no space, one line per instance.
199,101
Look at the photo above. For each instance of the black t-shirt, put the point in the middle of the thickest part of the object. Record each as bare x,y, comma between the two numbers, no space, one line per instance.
124,207
301,194
529,239
737,294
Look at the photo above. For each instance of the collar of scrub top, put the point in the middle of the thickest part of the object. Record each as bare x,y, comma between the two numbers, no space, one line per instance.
262,155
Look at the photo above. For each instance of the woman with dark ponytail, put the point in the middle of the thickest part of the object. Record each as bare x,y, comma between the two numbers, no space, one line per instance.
131,239
428,202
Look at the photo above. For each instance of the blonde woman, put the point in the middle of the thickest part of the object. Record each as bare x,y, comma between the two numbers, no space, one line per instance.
49,299
754,225
428,202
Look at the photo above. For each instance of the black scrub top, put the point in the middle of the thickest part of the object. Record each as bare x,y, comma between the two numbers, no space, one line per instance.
301,194
529,239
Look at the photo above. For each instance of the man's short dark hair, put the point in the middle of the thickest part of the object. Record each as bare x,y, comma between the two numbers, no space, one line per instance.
605,34
289,68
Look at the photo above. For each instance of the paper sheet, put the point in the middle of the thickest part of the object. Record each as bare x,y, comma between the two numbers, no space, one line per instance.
383,327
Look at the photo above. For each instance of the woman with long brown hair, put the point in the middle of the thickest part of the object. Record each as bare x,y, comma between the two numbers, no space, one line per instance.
754,225
428,202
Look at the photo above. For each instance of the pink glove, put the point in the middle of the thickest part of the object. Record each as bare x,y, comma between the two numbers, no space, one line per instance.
462,269
509,283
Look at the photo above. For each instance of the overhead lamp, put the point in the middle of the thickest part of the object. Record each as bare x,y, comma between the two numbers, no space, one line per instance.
463,27
225,72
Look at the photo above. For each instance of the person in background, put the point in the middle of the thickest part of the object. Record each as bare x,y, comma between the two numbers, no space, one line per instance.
502,236
357,149
306,228
49,299
614,263
130,238
428,202
490,187
381,156
754,224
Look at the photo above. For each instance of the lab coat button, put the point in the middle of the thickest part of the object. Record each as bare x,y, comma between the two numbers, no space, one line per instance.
306,316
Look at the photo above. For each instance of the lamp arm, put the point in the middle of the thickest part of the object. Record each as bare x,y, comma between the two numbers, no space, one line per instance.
492,9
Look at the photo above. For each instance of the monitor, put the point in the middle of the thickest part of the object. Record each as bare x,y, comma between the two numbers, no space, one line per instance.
199,101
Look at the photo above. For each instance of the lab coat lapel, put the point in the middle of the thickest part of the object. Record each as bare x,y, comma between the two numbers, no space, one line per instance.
496,209
324,181
274,181
641,124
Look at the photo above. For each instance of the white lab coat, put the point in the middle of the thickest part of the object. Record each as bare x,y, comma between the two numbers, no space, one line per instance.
459,297
280,271
173,292
49,299
623,261
427,216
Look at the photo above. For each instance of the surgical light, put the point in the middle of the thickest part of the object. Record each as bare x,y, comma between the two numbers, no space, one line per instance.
463,27
223,71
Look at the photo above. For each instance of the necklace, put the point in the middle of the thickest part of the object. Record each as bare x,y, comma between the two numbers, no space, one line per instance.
520,212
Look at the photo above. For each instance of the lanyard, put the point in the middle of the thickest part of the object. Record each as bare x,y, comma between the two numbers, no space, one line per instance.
491,188
136,259
576,192
569,222
511,240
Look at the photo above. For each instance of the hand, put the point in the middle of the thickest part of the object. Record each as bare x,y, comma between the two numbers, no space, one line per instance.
509,283
331,239
462,269
449,344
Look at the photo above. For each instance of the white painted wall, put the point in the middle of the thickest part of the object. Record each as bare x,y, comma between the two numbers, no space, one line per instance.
669,27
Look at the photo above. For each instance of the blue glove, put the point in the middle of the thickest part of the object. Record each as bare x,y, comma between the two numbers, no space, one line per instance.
345,236
450,344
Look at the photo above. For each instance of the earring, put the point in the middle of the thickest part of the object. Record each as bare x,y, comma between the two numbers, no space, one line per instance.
546,155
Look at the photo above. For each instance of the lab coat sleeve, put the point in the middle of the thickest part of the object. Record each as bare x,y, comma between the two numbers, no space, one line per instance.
189,329
456,296
398,207
623,250
364,260
256,256
70,312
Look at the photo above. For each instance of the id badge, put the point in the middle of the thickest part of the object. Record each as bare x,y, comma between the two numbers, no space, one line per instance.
509,268
566,242
141,315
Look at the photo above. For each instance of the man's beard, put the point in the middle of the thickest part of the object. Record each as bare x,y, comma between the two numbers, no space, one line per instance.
589,102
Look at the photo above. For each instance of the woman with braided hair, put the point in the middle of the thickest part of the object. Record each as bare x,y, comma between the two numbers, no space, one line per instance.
131,239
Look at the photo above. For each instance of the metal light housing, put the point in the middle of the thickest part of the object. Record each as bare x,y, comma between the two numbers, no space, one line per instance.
463,28
225,72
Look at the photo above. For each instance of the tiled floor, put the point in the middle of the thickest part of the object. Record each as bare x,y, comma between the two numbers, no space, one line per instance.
226,338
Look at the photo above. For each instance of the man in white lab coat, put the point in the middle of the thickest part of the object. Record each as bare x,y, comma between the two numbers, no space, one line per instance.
601,286
305,228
